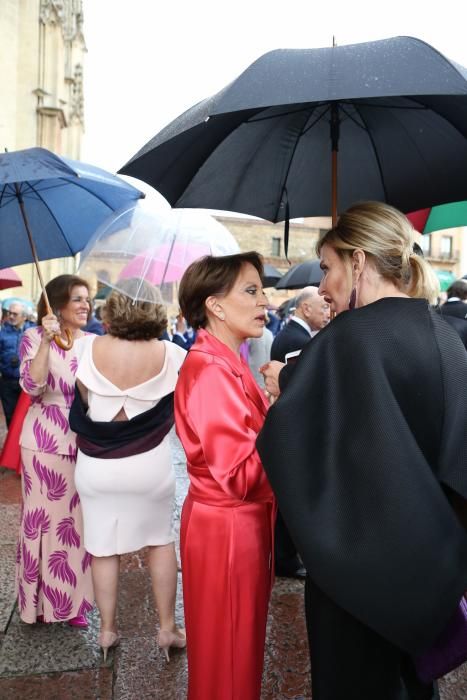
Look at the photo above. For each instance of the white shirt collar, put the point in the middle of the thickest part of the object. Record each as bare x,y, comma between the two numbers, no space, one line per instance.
304,324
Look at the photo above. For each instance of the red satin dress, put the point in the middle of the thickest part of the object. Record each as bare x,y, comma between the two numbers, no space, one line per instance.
227,523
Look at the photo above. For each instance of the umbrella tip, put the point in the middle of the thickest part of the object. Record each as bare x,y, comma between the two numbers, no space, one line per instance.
6,149
334,42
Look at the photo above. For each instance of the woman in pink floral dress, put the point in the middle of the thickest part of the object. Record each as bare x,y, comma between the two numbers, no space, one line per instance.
53,569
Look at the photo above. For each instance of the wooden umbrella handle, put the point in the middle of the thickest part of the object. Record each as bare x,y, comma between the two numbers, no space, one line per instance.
64,344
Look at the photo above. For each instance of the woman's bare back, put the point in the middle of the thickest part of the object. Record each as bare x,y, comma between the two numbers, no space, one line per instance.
127,363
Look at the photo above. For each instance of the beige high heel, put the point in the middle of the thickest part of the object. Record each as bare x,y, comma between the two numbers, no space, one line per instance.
167,639
107,640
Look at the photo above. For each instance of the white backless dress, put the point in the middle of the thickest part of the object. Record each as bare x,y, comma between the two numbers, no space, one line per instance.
127,503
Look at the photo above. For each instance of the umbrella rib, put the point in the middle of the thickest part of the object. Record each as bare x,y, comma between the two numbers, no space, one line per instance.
303,131
2,195
52,215
253,120
375,152
321,116
77,183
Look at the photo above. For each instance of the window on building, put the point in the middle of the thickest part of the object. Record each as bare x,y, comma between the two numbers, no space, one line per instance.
425,245
276,247
446,246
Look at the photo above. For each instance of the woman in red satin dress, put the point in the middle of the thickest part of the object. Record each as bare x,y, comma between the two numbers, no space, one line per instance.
228,515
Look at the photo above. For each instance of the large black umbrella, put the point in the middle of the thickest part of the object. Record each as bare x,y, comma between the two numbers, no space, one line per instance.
301,275
308,132
271,275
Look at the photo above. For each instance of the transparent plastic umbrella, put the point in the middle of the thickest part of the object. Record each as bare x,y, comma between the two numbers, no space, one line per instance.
154,245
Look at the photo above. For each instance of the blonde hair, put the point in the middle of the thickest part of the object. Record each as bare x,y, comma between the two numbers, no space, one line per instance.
387,238
140,319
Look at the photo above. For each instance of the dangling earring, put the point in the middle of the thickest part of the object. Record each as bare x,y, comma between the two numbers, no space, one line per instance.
353,298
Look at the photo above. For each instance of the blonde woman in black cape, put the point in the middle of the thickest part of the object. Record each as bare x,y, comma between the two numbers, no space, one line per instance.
371,426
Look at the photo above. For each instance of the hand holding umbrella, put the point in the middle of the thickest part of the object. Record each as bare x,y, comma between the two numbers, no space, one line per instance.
51,326
63,201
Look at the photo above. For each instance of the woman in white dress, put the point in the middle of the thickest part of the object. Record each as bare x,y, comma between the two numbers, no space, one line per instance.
122,414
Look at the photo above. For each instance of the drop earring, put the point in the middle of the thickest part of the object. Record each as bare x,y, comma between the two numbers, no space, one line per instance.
353,298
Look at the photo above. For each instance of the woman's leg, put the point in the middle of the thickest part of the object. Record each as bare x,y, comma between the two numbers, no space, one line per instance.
163,570
105,572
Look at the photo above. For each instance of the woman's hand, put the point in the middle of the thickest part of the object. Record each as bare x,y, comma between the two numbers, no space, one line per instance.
270,372
51,327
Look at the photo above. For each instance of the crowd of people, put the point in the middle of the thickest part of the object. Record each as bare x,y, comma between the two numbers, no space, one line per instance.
331,450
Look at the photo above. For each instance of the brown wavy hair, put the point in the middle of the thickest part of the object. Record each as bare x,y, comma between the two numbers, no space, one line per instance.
209,276
143,319
59,294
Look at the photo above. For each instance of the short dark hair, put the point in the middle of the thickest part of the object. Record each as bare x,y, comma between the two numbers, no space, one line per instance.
208,276
59,294
135,319
458,289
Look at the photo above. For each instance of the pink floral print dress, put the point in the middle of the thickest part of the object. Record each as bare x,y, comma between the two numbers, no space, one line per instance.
53,569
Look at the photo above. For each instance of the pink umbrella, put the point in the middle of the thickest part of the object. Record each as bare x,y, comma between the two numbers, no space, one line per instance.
164,263
9,279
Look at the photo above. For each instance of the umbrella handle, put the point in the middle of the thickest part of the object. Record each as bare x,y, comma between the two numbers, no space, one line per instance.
63,344
66,344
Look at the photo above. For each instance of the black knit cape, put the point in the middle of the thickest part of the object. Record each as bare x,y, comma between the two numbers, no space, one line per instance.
363,447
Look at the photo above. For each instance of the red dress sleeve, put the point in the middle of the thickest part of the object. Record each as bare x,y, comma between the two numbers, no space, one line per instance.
227,423
11,452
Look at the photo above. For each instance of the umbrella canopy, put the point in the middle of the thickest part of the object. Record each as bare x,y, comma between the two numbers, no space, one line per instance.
271,276
440,217
309,132
50,206
64,203
9,278
164,263
149,244
302,275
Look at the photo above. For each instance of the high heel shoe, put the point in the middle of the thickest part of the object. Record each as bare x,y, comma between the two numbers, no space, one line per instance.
167,639
107,640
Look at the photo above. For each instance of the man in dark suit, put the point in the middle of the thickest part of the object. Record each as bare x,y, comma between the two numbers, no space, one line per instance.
456,303
183,336
311,314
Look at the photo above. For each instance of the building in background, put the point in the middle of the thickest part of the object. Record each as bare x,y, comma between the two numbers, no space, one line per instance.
268,239
42,51
446,251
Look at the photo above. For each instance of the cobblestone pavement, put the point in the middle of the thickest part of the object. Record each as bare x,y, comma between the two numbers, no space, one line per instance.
57,662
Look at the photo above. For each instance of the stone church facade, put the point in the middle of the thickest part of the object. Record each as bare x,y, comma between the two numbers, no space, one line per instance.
42,52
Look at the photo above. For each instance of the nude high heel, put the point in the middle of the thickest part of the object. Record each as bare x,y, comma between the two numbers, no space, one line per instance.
167,639
106,640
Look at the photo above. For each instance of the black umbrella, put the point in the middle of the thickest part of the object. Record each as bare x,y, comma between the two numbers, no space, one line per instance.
271,276
308,132
301,275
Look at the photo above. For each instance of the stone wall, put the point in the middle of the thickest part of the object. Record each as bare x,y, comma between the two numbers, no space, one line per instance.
42,53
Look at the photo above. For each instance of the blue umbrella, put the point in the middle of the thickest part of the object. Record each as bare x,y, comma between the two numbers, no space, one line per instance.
50,206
